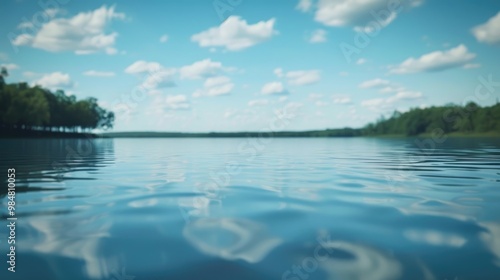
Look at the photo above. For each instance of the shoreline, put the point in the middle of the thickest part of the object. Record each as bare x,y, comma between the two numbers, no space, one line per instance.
40,134
341,133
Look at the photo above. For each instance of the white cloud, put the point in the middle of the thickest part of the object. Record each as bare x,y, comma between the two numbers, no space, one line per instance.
404,95
176,102
216,81
258,102
361,61
374,83
488,32
202,69
304,5
321,103
273,88
278,72
373,103
55,80
315,96
472,65
84,33
164,38
391,89
161,105
435,61
300,78
236,34
358,13
94,73
10,66
157,75
318,36
344,74
383,86
215,86
340,99
142,66
386,104
160,79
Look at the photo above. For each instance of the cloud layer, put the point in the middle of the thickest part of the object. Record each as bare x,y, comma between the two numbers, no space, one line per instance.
55,80
318,36
299,77
273,88
155,76
488,32
215,86
435,61
356,13
201,69
83,34
236,34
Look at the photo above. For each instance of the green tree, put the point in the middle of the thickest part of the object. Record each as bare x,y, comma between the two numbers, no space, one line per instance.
28,109
3,73
25,107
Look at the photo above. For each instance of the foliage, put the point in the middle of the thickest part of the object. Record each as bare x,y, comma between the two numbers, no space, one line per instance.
470,118
35,108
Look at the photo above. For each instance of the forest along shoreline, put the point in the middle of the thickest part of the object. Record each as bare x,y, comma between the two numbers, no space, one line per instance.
34,112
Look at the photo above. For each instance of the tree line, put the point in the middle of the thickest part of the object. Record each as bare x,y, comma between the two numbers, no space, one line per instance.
35,108
468,119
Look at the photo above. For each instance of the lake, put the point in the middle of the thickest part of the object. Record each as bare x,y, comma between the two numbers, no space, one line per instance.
259,208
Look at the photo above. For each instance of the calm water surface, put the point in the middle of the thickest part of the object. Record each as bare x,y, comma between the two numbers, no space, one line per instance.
234,209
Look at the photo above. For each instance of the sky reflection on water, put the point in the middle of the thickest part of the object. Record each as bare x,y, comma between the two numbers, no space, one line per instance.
199,208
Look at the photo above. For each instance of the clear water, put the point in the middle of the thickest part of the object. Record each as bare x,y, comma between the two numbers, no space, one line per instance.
240,208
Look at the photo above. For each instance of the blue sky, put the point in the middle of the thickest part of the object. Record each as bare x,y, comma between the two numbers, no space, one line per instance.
230,65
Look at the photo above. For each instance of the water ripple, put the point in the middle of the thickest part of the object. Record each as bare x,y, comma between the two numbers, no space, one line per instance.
201,208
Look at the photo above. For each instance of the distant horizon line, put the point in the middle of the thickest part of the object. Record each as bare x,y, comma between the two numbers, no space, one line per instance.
208,132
